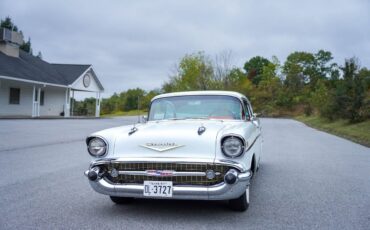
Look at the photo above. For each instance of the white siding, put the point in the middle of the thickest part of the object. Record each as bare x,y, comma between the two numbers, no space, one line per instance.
25,102
54,99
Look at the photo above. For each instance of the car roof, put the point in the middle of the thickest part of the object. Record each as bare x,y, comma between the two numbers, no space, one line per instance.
206,92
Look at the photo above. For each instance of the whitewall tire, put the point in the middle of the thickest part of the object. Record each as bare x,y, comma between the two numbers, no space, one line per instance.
241,203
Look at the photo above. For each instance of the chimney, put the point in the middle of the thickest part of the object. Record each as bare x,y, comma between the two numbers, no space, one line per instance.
10,42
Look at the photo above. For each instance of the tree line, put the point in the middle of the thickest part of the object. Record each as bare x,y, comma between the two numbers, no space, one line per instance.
306,83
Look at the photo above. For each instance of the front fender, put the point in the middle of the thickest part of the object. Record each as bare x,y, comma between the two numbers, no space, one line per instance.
250,133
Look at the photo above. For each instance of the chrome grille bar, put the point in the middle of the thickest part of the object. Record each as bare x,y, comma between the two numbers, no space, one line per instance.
173,173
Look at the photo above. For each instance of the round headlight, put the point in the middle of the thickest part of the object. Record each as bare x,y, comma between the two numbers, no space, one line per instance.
232,146
97,147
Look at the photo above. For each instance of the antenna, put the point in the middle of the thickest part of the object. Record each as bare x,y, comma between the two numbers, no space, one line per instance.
138,109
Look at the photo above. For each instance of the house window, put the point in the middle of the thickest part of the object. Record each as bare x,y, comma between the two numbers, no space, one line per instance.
14,96
42,96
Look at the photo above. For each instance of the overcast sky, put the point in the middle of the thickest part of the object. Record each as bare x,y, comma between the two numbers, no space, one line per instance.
136,43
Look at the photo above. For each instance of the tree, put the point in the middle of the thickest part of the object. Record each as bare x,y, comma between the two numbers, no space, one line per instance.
145,101
39,55
254,68
301,65
110,105
322,63
26,46
7,23
297,69
222,68
132,98
194,72
85,107
237,81
349,97
266,93
355,89
320,98
364,77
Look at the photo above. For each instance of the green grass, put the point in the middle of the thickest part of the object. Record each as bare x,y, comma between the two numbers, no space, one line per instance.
126,113
358,132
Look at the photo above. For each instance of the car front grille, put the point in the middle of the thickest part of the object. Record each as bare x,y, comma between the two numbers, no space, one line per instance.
219,169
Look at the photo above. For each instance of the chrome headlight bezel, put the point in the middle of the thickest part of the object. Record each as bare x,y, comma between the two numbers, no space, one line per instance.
233,140
97,146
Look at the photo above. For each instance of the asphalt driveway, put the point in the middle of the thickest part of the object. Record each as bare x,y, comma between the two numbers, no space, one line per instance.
308,180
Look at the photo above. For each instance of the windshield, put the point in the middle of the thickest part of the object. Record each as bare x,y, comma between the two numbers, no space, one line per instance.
196,107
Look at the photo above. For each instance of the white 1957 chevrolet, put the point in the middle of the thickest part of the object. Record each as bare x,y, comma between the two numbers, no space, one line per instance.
201,145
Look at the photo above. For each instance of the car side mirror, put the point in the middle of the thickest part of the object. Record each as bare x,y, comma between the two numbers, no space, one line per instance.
144,119
256,115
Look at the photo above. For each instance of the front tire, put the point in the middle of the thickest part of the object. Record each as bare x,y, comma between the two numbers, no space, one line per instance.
121,200
240,204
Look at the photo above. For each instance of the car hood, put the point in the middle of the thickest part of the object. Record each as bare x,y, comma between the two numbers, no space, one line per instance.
170,139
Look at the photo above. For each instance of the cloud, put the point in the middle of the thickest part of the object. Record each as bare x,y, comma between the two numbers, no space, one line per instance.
135,43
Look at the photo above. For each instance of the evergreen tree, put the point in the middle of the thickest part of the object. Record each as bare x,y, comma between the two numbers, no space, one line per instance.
26,46
7,23
39,55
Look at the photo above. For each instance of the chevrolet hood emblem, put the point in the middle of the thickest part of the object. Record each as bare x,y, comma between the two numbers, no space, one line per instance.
161,147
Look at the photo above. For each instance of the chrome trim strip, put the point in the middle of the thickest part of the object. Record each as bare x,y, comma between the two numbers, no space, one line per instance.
253,143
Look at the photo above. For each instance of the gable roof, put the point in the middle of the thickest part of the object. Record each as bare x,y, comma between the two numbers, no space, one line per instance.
29,67
70,72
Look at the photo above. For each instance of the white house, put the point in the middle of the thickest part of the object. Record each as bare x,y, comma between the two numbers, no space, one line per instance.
32,87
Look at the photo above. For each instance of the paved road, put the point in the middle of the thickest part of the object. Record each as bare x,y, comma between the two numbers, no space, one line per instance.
307,180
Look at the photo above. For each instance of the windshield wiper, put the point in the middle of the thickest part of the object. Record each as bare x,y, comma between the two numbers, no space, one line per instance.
187,118
196,118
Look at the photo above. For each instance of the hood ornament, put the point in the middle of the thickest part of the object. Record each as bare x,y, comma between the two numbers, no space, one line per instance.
201,130
132,130
161,147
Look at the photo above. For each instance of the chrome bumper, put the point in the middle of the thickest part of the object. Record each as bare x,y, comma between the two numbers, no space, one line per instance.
222,191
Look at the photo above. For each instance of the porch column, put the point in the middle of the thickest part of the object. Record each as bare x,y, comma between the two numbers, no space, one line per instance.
33,102
72,102
97,107
67,103
38,102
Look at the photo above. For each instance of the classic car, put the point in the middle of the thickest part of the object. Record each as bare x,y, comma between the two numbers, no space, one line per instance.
200,145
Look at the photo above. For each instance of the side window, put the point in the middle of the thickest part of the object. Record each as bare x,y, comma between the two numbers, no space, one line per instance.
14,96
42,97
250,109
247,109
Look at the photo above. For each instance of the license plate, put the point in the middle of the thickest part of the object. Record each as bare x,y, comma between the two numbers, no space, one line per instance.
158,188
